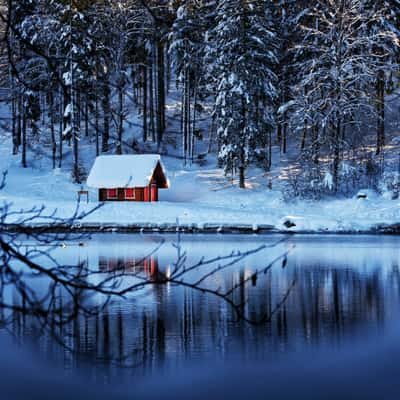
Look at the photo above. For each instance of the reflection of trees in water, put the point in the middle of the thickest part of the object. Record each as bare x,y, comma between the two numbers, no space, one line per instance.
336,300
69,305
325,305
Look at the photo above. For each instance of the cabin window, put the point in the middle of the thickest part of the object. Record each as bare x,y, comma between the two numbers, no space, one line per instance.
112,193
129,193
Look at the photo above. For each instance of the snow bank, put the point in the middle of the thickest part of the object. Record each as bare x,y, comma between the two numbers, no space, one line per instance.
199,197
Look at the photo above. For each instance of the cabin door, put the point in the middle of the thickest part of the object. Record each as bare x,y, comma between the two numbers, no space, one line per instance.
154,192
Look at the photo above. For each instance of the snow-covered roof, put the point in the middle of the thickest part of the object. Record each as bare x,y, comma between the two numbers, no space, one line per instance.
124,171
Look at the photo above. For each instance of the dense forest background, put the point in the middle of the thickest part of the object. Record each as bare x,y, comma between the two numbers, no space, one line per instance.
318,79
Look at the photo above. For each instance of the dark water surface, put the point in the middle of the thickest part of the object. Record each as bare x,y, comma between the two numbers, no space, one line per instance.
334,295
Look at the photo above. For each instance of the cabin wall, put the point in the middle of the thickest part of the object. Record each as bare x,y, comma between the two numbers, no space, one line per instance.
150,193
154,192
102,194
139,195
159,177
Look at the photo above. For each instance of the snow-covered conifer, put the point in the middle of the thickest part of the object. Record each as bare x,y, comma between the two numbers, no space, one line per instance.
243,53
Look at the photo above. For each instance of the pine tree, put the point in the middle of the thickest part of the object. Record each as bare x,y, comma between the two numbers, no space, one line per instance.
244,50
77,50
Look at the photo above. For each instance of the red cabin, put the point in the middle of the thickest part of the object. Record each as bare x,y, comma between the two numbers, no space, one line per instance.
128,177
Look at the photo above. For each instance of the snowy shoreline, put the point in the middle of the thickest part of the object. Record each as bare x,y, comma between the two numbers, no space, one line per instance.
145,228
200,200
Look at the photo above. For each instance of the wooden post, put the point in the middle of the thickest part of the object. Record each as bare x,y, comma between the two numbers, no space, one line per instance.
83,193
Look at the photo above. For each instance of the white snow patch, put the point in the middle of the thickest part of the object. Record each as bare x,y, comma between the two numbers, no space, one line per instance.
328,180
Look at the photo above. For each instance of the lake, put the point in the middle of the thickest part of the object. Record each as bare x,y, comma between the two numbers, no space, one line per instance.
322,295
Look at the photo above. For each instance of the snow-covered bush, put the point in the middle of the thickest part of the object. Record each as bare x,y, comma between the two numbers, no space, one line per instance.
390,185
311,181
307,183
349,178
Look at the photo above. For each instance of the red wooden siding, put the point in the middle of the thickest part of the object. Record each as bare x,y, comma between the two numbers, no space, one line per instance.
154,192
124,194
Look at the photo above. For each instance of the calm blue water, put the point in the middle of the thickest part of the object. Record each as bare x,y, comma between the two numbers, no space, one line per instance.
336,299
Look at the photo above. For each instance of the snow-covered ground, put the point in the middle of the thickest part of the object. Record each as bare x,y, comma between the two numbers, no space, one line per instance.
199,195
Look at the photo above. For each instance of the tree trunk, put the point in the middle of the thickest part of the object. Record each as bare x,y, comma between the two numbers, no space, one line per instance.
151,99
184,125
23,155
269,161
14,117
96,122
77,178
52,132
380,108
336,155
78,109
75,136
315,144
168,72
42,103
60,131
135,90
144,77
14,126
120,123
284,138
211,135
193,130
66,118
242,183
187,116
106,117
160,121
19,121
242,161
279,131
86,116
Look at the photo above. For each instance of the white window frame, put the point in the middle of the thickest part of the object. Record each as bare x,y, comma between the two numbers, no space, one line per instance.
134,194
114,197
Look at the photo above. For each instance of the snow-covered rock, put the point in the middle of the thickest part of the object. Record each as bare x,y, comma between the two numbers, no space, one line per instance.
367,194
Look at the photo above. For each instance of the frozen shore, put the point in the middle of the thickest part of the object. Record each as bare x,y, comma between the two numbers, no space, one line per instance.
201,199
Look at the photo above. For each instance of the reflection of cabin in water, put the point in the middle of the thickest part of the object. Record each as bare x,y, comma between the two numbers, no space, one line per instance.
130,265
128,177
